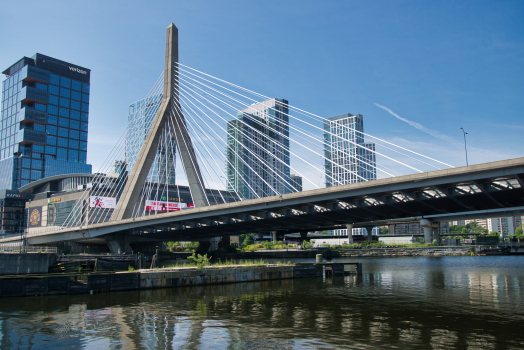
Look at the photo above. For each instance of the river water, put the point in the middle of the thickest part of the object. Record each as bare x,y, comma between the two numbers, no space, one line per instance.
398,303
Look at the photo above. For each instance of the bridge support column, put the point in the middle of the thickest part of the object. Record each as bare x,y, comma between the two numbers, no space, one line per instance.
350,233
427,227
118,244
303,236
370,232
436,234
274,235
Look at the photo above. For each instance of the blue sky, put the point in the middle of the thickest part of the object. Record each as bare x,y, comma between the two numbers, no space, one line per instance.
441,64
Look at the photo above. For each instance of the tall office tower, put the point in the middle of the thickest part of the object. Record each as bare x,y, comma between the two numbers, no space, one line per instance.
45,106
258,150
296,183
348,158
141,115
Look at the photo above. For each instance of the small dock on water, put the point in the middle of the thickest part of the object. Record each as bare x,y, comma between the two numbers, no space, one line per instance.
103,282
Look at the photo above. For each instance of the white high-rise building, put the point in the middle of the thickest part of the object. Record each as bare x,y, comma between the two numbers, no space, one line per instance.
258,150
348,158
504,225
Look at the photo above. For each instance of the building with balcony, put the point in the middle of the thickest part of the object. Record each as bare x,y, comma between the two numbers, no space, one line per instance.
348,159
258,163
44,120
141,115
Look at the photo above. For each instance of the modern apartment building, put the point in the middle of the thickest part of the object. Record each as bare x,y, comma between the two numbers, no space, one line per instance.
44,121
141,115
258,150
348,159
504,225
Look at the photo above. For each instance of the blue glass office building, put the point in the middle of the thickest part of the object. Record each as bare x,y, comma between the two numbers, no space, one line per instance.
45,113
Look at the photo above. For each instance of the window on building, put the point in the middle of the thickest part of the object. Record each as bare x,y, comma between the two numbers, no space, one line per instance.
63,122
36,174
54,79
53,99
63,112
64,102
74,134
62,142
85,88
51,130
75,124
40,107
41,86
51,119
76,85
73,144
75,95
73,155
61,153
51,140
74,114
37,164
50,149
39,127
75,105
53,89
65,82
63,132
26,162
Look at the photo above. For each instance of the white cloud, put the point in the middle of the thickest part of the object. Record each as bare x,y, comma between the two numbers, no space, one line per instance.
418,125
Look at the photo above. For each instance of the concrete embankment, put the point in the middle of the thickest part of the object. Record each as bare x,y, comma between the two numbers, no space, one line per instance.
26,263
343,253
49,284
400,252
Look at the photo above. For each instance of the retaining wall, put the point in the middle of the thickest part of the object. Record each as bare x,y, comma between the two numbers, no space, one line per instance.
25,263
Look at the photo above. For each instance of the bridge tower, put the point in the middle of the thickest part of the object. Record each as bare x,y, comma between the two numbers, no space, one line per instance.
170,109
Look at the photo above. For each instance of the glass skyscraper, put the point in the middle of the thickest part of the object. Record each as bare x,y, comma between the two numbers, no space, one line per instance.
348,158
45,113
141,115
258,150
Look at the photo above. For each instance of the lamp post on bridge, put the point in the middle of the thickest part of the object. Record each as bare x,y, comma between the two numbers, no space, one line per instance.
465,147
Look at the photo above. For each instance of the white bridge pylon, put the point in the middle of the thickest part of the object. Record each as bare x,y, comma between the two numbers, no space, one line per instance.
169,111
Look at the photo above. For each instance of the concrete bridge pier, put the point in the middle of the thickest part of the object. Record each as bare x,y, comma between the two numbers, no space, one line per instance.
303,236
350,233
118,244
370,232
274,235
427,226
436,234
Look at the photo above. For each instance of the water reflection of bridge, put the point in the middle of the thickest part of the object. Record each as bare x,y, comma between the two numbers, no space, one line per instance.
378,309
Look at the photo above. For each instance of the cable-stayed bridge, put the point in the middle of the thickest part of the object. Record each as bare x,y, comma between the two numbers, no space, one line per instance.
273,168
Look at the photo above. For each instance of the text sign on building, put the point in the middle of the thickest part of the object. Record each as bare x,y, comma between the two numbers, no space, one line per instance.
35,217
102,202
166,206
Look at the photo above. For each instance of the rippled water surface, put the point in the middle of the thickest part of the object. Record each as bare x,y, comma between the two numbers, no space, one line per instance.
398,303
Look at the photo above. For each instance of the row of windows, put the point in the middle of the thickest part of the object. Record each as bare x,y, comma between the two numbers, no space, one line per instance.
63,92
35,163
31,174
69,83
64,110
73,134
63,132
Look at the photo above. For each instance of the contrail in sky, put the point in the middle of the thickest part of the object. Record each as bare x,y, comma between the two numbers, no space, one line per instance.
418,125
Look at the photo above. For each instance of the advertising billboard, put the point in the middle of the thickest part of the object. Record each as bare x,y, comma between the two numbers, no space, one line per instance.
102,202
35,217
166,206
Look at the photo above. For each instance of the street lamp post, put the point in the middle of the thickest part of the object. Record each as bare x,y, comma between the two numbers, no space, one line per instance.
465,147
